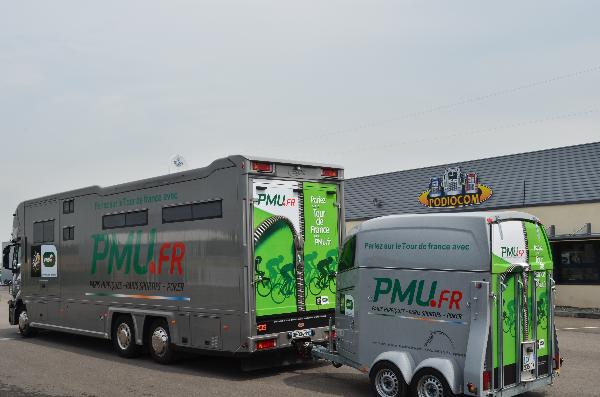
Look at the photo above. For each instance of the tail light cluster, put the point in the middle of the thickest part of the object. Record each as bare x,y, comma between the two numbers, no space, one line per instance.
329,172
487,380
262,167
266,344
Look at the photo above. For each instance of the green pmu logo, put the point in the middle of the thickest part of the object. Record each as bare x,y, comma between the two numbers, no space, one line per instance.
413,293
121,256
49,259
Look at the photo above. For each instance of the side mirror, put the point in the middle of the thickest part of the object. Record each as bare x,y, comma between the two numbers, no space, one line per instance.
6,258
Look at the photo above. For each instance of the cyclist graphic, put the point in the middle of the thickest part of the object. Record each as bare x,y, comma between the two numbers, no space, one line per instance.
273,266
287,272
309,262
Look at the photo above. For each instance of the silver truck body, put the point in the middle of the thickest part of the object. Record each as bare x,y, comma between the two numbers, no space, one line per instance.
177,247
435,292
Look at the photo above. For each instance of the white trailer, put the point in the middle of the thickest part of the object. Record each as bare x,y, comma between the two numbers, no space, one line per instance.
445,304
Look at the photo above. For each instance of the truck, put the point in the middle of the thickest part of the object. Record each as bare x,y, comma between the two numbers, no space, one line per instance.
237,258
437,305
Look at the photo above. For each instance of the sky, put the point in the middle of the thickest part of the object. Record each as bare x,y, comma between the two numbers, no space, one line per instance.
101,93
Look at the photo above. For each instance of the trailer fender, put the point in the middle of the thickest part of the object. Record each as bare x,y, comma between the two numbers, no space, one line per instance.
138,316
402,360
447,368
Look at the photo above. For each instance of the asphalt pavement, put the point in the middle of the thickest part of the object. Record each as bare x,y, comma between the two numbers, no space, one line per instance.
57,364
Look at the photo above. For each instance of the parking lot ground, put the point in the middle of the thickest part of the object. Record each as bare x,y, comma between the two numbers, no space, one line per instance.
56,364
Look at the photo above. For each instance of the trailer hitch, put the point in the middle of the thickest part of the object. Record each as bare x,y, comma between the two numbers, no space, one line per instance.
303,347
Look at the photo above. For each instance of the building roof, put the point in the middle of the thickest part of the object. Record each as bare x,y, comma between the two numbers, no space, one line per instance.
562,175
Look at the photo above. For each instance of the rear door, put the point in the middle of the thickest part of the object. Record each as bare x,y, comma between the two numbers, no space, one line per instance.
522,329
296,240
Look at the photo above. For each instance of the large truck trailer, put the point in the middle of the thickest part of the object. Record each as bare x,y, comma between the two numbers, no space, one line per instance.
235,258
439,305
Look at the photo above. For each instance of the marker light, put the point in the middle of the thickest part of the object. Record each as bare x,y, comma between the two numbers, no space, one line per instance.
487,380
262,167
266,344
329,172
472,388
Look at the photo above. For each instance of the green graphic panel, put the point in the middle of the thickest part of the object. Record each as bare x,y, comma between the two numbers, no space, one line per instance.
540,255
274,262
321,242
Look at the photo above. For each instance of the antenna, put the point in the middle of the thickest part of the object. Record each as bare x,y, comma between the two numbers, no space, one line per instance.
177,163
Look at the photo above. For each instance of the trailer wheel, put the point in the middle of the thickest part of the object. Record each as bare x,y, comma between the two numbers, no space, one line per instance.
159,342
123,337
430,383
387,380
25,329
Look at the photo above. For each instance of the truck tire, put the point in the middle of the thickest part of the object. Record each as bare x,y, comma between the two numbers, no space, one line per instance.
387,380
430,383
123,337
159,342
25,329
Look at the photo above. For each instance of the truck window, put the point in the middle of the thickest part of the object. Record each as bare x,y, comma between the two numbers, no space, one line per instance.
193,212
126,219
43,232
69,233
68,206
347,257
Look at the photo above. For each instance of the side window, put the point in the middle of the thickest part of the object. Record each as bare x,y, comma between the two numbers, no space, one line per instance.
69,233
68,206
347,256
193,212
43,232
125,219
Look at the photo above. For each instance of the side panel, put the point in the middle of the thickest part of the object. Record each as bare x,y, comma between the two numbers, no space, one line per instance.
522,266
321,244
276,226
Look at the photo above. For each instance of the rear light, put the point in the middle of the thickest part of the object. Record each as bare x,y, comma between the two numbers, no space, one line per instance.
329,172
266,344
487,380
262,167
472,388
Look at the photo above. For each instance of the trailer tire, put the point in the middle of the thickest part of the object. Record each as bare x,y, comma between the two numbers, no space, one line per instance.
26,330
429,382
387,380
159,342
123,337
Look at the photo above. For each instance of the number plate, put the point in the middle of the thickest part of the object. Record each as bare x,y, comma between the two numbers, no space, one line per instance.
301,333
528,361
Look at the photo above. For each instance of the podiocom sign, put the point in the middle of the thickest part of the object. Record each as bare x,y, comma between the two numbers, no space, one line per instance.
455,189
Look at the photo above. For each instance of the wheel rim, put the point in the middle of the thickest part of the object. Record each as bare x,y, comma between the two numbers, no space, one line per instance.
430,386
386,383
123,336
23,320
160,341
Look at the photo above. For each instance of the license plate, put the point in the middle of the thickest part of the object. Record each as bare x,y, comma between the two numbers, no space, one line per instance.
528,361
301,333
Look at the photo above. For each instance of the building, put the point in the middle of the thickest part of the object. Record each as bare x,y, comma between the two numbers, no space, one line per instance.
560,186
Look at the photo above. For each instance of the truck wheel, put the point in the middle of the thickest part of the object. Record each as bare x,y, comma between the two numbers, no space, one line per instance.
123,337
25,329
159,342
430,383
387,380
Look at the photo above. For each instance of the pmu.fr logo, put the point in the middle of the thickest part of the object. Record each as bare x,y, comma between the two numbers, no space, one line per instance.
416,292
278,200
119,255
512,252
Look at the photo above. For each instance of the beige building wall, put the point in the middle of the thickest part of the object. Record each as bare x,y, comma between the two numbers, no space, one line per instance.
567,219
